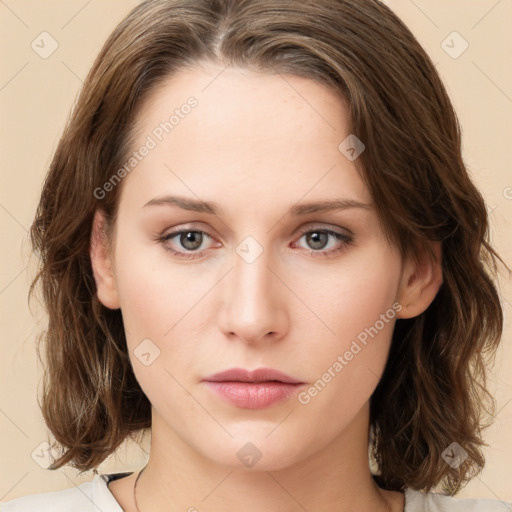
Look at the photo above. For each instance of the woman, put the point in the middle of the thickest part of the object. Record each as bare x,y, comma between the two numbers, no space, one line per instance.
258,238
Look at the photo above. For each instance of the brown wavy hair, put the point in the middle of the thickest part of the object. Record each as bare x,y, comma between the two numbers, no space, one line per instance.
433,389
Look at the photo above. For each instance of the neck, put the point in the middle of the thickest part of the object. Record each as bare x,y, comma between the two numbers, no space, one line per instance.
336,477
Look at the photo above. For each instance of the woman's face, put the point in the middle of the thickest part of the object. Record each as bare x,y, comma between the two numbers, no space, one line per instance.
263,279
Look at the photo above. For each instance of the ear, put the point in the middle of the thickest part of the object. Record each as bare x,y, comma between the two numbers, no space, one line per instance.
101,261
421,279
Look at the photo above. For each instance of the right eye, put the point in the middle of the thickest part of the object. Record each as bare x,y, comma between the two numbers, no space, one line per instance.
189,239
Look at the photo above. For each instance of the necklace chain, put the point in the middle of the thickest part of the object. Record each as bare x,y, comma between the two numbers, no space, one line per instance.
135,489
140,473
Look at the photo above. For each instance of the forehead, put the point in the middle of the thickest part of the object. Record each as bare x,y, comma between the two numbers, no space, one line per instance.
260,134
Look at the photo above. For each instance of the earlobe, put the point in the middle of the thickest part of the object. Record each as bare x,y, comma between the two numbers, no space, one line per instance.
421,279
102,263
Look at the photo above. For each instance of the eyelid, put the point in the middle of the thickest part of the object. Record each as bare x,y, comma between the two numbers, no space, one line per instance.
318,226
184,228
179,230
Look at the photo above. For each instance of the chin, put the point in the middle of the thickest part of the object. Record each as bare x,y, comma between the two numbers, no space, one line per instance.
256,453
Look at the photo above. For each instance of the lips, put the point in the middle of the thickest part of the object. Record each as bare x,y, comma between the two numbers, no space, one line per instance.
255,389
259,375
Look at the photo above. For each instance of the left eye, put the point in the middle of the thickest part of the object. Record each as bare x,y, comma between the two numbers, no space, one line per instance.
318,240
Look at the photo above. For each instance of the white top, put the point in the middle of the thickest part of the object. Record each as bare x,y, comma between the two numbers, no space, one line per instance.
95,496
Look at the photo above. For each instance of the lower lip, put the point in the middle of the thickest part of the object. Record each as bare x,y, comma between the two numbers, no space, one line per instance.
253,395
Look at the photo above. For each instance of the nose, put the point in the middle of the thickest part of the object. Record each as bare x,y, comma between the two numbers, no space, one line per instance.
255,305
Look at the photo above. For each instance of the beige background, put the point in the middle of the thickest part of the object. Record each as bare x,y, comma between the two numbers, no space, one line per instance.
36,95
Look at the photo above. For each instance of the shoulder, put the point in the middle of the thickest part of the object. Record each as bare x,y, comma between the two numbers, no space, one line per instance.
416,501
70,500
87,497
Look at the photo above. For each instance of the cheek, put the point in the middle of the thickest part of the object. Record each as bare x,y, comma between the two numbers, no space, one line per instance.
355,296
168,310
360,308
143,298
154,293
159,304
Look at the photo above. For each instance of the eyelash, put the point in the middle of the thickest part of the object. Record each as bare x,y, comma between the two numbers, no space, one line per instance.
345,239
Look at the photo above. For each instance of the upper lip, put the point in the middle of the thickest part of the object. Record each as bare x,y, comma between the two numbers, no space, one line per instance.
258,375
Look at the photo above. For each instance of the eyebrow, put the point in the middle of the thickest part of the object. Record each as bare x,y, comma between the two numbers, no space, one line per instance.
214,209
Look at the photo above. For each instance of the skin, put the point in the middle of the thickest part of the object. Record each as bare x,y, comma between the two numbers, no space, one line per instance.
257,144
